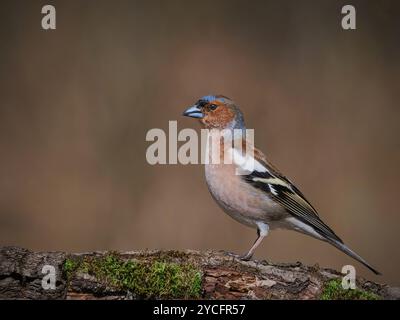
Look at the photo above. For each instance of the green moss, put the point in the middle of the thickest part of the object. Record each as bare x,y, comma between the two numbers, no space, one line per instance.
333,290
70,266
159,279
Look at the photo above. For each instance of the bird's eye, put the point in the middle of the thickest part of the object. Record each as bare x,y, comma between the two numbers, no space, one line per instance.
213,106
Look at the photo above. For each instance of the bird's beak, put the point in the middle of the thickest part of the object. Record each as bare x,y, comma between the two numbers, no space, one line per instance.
193,112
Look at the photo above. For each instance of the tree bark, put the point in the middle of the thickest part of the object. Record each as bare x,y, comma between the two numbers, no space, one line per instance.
223,276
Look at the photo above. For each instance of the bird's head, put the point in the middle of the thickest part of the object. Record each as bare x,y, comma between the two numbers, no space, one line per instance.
216,112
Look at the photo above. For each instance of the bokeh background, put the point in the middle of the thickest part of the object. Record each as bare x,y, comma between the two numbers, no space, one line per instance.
77,102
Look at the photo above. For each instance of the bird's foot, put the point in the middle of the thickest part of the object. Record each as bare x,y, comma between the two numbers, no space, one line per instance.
232,254
246,257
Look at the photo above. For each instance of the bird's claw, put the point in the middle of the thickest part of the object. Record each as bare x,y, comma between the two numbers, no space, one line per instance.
246,257
232,254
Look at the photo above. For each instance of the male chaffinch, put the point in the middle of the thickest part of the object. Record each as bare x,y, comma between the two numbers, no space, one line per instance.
260,197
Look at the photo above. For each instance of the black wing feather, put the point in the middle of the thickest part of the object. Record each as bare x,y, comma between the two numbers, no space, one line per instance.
281,189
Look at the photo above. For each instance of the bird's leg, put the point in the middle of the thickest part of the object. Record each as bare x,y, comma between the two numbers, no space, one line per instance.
262,232
249,254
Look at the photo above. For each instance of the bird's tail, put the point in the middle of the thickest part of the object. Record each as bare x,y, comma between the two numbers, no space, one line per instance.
342,247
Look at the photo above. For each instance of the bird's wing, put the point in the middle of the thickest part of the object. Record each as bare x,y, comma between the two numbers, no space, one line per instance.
282,190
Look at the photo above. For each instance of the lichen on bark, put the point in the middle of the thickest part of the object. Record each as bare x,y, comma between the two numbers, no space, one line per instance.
172,274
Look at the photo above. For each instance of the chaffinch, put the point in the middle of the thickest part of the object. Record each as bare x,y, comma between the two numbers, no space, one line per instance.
260,197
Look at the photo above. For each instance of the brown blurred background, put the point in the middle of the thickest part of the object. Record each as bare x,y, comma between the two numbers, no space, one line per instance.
76,104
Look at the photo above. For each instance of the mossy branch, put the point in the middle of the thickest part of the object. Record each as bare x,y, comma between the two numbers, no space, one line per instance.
171,275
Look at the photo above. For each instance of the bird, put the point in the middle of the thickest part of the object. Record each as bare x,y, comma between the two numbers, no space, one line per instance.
260,197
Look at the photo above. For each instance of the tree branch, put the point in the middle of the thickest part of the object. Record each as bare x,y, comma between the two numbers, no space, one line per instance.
170,274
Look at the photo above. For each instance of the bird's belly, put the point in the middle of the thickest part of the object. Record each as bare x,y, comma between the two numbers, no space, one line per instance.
239,199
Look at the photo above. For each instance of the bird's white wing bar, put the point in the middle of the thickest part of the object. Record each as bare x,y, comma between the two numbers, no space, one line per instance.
246,163
280,189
